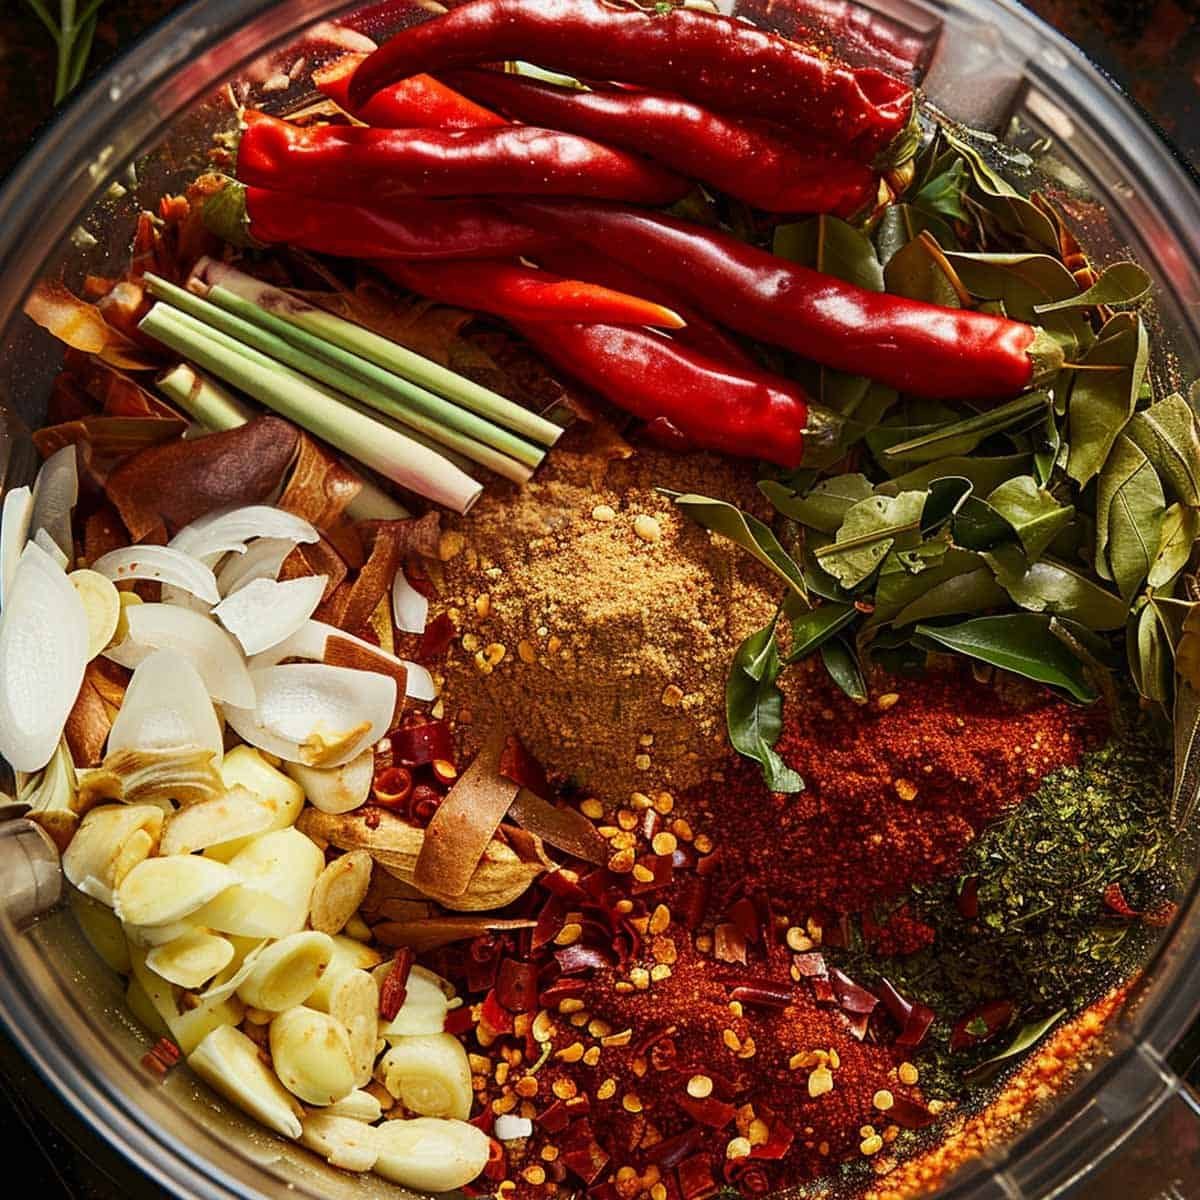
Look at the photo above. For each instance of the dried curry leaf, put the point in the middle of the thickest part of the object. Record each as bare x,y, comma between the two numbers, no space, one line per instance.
1168,435
914,272
958,437
1180,529
869,530
1122,283
1056,589
824,505
1130,507
843,668
1026,1038
832,246
814,627
1033,513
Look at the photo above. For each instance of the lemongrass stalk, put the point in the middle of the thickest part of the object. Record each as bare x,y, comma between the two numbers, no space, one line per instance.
384,353
217,408
427,414
321,411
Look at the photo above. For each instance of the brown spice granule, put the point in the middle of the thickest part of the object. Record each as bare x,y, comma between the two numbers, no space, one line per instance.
627,622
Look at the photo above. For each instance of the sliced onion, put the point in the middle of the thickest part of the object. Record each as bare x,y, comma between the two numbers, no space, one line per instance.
265,612
231,530
51,547
192,636
55,492
410,610
43,653
263,560
14,533
166,705
161,563
315,714
309,642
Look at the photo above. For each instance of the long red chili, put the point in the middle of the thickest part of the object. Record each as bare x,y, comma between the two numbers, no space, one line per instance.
712,405
714,60
735,157
918,348
420,102
357,163
413,228
524,294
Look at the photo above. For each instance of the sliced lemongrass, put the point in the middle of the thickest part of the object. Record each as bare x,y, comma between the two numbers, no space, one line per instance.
354,1001
316,408
263,559
315,714
43,653
245,768
237,814
160,891
163,564
194,637
266,611
410,610
228,531
101,603
339,890
166,706
336,789
312,1056
55,493
460,430
428,1154
52,548
348,955
217,408
192,960
14,533
363,343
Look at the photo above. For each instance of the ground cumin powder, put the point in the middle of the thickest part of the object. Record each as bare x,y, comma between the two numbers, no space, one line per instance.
599,622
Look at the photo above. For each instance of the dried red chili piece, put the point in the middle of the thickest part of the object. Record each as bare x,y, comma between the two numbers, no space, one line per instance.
917,1026
562,989
967,898
395,986
850,996
419,741
582,1154
745,916
670,1152
459,1020
555,1118
436,639
696,1177
550,920
516,985
728,944
563,883
497,1163
898,1008
764,995
1114,899
662,869
710,1111
779,1140
574,960
908,1114
392,788
981,1024
810,964
517,764
1161,914
493,1016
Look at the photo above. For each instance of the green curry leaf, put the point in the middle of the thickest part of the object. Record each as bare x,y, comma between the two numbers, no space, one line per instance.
1129,516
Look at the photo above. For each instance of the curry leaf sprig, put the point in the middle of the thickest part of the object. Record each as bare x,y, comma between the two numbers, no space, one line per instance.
73,33
1050,536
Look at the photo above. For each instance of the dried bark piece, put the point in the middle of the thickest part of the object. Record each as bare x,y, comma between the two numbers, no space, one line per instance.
320,487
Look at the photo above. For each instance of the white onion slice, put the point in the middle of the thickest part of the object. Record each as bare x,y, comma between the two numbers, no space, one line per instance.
166,705
309,642
55,492
266,612
161,563
51,547
410,610
301,705
43,653
263,560
231,530
14,533
192,636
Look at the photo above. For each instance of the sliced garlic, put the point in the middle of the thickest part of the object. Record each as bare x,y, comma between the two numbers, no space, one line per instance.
161,890
227,1060
143,1010
425,1004
95,851
190,1028
348,955
339,891
429,1074
285,973
102,930
237,814
342,1142
191,960
430,1155
336,789
354,1001
245,767
101,605
358,1106
312,1056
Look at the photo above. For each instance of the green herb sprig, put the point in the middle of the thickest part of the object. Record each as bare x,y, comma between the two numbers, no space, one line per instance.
73,34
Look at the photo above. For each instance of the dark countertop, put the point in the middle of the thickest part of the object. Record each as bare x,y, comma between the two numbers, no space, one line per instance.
1150,48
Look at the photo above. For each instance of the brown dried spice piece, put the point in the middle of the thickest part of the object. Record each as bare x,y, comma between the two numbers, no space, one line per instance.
320,487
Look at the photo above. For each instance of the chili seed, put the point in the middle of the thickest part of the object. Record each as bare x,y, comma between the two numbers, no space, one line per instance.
820,1081
607,1090
640,978
470,643
591,1056
580,1019
570,1054
703,843
759,1132
936,1107
543,1027
798,940
731,1040
867,1131
834,1060
621,863
659,972
642,874
735,1007
906,789
887,700
526,1087
504,1104
564,1089
748,1049
639,1067
682,830
883,1100
570,1004
647,528
534,1174
664,802
871,1145
631,1102
658,1192
592,809
549,1153
449,544
568,935
501,1073
664,844
642,762
603,512
624,907
908,1073
627,818
664,951
699,1087
660,918
738,1147
617,1039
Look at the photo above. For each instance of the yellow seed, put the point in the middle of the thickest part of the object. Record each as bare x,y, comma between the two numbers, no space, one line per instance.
598,1028
759,1132
883,1100
798,940
626,1175
738,1147
495,652
699,1087
660,918
627,818
470,642
748,1049
908,1073
798,1060
834,1059
623,840
906,789
664,950
549,1153
526,1087
936,1106
592,809
480,1063
640,978
735,1007
591,1056
543,1027
664,843
534,1174
664,802
887,700
483,605
646,739
570,1054
820,1081
642,874
503,1104
624,907
623,986
568,935
867,1131
526,651
449,544
642,762
672,695
501,1072
621,863
647,528
617,1039
631,1102
564,1089
580,1019
871,1145
607,1090
570,1004
554,644
639,1066
603,512
658,1192
659,972
731,1040
703,843
682,830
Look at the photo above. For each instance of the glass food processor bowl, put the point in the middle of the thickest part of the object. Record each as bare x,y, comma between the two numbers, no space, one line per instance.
143,128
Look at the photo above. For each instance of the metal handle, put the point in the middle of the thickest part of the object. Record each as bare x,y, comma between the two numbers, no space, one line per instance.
30,874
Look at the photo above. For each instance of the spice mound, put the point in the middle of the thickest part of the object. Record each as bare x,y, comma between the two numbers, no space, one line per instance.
595,620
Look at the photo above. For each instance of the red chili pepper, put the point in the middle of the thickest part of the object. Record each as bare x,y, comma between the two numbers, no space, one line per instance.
712,59
745,412
360,164
919,348
735,157
421,102
981,1024
392,787
524,294
395,986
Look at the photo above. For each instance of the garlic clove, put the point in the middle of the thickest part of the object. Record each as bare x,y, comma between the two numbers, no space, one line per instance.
159,891
429,1074
285,973
312,1056
429,1154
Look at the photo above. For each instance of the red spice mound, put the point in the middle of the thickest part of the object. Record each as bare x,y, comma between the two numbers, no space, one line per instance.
894,790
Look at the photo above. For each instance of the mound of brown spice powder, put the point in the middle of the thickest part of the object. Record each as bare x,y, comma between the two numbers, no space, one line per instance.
597,622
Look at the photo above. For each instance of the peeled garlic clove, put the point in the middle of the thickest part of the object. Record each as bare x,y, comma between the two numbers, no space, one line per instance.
245,954
354,1001
336,789
102,930
101,605
339,891
425,1004
358,1106
95,851
190,1028
348,955
191,960
237,814
430,1155
429,1074
158,992
285,973
227,1060
312,1056
161,890
245,767
341,1141
158,935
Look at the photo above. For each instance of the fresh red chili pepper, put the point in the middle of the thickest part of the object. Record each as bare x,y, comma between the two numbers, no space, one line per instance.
414,228
357,163
420,102
919,348
712,59
749,413
524,294
733,156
